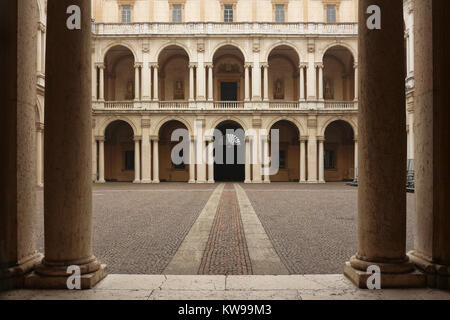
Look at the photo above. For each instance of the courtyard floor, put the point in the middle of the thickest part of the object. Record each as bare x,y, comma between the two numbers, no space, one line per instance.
224,228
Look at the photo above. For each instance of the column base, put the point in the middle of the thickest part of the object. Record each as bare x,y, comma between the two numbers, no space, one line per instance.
156,181
247,181
191,181
211,181
201,181
50,277
100,181
257,181
312,182
437,276
146,181
321,182
266,181
302,182
13,277
395,275
136,181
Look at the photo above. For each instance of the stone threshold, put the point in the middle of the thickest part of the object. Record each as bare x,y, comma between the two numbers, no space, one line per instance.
205,287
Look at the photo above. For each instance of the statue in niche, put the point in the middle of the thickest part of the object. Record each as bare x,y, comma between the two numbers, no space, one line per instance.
328,90
129,93
178,90
278,90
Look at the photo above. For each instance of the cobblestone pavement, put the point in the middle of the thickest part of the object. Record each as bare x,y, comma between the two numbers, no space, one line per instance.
226,250
312,227
139,228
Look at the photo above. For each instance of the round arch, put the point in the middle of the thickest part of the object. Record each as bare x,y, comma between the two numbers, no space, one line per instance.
340,44
294,121
219,121
165,120
333,119
228,43
110,120
106,49
280,44
175,44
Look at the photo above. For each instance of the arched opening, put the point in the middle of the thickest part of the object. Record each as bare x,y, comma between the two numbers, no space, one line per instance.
289,151
284,76
119,81
229,152
119,152
169,168
229,82
339,151
339,74
174,83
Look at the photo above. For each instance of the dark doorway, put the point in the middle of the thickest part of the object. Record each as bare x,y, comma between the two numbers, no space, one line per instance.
229,153
228,91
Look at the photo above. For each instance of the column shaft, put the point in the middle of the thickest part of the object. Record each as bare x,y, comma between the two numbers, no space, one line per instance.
155,83
247,161
210,150
266,161
39,157
191,161
302,83
247,83
210,84
155,160
266,82
382,178
146,155
101,161
321,162
191,83
356,82
312,158
68,148
102,83
302,161
320,81
137,84
137,161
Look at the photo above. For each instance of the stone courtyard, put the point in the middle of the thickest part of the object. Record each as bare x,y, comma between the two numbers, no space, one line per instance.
224,229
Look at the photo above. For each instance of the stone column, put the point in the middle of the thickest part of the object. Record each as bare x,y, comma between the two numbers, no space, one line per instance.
320,72
355,67
432,142
94,157
39,154
356,160
247,160
155,82
266,161
201,165
247,82
191,82
137,160
256,158
146,152
18,19
410,113
210,155
210,83
191,161
146,76
39,48
266,82
94,81
155,140
256,74
311,73
137,83
101,159
312,149
102,82
382,178
303,160
302,81
321,160
68,148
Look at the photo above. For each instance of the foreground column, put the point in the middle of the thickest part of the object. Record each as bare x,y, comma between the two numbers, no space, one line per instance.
18,254
68,130
39,154
382,178
432,142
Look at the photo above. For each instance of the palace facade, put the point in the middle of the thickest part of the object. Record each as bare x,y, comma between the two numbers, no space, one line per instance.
258,65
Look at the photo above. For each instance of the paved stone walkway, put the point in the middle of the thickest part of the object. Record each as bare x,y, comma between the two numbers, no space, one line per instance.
226,251
176,287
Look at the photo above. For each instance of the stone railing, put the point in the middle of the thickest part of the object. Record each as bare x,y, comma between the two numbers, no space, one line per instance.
168,28
341,105
226,105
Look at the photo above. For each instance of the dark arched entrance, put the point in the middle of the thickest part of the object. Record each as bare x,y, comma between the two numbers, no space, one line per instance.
229,152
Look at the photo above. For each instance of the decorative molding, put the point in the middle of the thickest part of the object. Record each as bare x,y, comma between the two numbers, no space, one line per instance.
145,123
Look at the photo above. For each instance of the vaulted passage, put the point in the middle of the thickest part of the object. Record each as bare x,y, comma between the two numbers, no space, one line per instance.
229,152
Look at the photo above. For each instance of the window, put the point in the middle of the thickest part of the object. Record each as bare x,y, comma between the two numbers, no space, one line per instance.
329,161
228,13
331,13
126,14
129,160
177,13
279,13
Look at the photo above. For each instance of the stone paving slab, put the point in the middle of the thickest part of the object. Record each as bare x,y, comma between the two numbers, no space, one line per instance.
173,287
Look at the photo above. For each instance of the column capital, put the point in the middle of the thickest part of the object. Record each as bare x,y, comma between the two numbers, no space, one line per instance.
355,65
303,139
39,126
100,138
319,65
320,138
248,65
192,65
265,65
41,27
154,138
209,65
209,138
303,65
138,65
154,65
100,65
137,138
